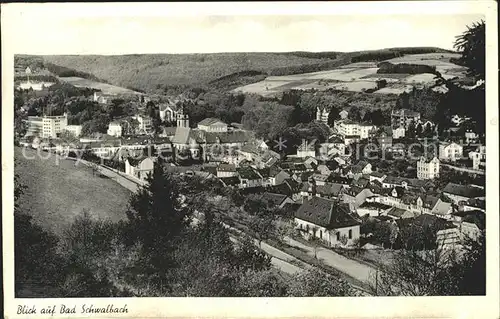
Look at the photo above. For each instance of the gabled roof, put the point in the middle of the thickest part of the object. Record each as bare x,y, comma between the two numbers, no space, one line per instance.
182,135
477,217
211,121
226,168
398,212
463,190
291,207
429,201
361,182
136,161
329,189
248,173
274,199
405,112
377,174
320,177
230,181
326,213
418,183
393,180
479,203
374,205
429,220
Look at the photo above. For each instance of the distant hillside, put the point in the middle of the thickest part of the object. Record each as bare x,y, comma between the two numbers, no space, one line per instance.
153,72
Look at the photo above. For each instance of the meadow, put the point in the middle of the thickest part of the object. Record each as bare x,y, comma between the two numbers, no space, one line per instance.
57,193
104,87
361,76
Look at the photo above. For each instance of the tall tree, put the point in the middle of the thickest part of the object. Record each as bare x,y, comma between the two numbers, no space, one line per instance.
472,46
333,116
157,219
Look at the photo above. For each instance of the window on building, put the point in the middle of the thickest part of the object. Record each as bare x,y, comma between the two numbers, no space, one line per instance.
350,233
307,228
338,236
320,234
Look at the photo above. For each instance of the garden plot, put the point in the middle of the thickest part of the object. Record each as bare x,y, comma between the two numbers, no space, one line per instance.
395,89
359,65
424,78
264,87
355,86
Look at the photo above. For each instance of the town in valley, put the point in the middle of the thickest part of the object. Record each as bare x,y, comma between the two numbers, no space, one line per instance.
312,174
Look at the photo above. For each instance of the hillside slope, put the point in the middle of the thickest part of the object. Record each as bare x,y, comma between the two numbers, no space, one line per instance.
151,72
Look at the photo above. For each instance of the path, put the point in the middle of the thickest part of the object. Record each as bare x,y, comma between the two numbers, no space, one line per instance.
357,270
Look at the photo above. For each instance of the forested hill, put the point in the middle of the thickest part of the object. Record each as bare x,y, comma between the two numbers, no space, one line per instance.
153,72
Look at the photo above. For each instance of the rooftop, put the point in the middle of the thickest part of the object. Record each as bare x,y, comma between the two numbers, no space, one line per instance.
326,213
274,199
210,121
463,190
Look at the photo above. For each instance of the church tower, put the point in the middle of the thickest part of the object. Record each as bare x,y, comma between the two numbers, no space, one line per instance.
182,119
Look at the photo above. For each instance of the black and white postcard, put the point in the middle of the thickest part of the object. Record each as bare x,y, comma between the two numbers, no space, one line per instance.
203,159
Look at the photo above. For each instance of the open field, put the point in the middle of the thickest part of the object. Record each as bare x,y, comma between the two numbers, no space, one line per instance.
361,76
55,194
150,71
104,87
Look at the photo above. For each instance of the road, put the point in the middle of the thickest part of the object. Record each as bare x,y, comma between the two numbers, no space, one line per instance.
128,182
354,269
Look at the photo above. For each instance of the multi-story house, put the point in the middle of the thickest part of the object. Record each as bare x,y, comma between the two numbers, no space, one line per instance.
322,115
348,128
306,150
76,130
114,129
145,123
398,132
139,168
403,118
450,151
428,168
478,158
226,170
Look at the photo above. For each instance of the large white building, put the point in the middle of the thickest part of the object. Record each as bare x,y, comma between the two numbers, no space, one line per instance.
351,128
35,86
47,126
450,151
427,168
212,125
114,129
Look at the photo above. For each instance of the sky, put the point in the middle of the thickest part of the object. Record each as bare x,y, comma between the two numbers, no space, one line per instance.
94,29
